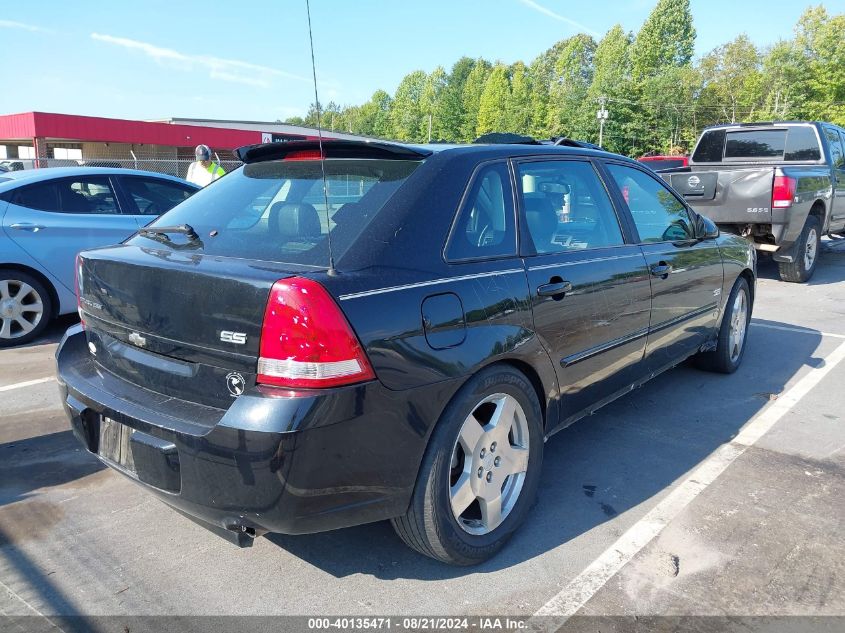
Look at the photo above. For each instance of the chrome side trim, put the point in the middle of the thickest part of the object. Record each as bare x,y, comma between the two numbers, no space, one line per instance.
572,359
587,261
423,284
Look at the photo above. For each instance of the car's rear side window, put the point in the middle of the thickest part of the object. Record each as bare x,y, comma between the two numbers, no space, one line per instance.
801,144
837,156
710,147
276,210
41,197
485,226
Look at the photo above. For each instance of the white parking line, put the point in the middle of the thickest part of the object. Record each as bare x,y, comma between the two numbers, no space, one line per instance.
796,329
27,383
584,586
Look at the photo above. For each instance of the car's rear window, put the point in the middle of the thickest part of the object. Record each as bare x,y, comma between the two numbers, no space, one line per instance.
276,211
794,143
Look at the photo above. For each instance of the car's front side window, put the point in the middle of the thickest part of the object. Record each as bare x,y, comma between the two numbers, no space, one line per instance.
566,207
485,227
657,213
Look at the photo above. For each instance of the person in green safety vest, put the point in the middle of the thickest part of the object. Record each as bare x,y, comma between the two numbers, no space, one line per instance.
204,171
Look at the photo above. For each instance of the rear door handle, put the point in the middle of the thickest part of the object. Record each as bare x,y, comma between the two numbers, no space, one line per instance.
27,226
661,270
554,289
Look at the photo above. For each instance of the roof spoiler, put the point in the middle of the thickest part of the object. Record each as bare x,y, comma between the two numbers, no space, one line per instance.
332,148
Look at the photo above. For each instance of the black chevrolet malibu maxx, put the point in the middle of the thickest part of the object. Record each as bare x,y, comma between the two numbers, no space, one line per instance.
276,354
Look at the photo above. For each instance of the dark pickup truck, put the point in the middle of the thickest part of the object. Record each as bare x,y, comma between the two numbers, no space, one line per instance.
780,185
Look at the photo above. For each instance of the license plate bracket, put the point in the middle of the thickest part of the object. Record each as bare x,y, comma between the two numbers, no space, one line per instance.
115,444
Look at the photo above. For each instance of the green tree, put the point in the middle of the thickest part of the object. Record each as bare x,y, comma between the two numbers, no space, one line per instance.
431,103
405,115
492,113
666,39
821,40
451,116
612,83
568,112
471,99
731,79
784,80
518,104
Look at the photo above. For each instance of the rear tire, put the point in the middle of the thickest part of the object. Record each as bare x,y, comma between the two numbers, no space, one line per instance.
25,307
806,254
480,473
733,334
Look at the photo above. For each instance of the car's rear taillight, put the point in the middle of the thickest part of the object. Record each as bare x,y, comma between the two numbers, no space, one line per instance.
783,192
306,341
77,270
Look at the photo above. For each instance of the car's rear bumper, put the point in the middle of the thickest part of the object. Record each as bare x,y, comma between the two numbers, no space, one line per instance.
274,461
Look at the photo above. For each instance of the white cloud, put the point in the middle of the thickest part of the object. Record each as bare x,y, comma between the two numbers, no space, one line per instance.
220,69
557,16
10,24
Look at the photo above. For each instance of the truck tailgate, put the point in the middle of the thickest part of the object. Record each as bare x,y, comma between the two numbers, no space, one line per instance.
734,196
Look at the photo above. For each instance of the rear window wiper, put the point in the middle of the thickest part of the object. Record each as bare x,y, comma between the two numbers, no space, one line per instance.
185,229
160,234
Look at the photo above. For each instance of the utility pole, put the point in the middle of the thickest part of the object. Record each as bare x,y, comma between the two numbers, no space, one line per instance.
601,115
429,127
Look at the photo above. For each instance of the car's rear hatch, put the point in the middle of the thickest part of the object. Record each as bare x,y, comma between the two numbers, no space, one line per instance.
184,325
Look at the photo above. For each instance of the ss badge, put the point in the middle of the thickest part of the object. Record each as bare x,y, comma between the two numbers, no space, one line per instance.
227,336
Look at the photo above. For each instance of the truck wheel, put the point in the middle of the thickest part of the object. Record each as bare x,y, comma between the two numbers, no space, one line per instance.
806,254
730,345
25,307
480,473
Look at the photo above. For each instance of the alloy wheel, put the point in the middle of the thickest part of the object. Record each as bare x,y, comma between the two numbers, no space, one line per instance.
811,250
489,462
739,324
21,308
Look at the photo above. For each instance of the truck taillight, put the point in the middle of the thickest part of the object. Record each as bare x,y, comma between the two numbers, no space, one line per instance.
783,192
77,274
306,341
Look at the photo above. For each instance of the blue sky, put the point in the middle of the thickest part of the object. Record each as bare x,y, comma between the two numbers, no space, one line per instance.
250,59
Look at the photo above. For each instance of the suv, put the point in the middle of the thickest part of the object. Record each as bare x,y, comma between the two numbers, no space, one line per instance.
376,331
780,185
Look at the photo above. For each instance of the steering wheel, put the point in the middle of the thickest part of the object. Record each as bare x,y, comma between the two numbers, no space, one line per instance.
152,209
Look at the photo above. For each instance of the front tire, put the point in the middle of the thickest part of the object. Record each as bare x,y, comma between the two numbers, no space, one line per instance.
480,472
25,307
733,333
806,254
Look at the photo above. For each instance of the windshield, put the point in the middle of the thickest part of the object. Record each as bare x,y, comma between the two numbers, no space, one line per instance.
276,211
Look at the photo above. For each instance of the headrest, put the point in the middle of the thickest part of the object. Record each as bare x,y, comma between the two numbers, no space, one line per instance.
295,220
542,219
